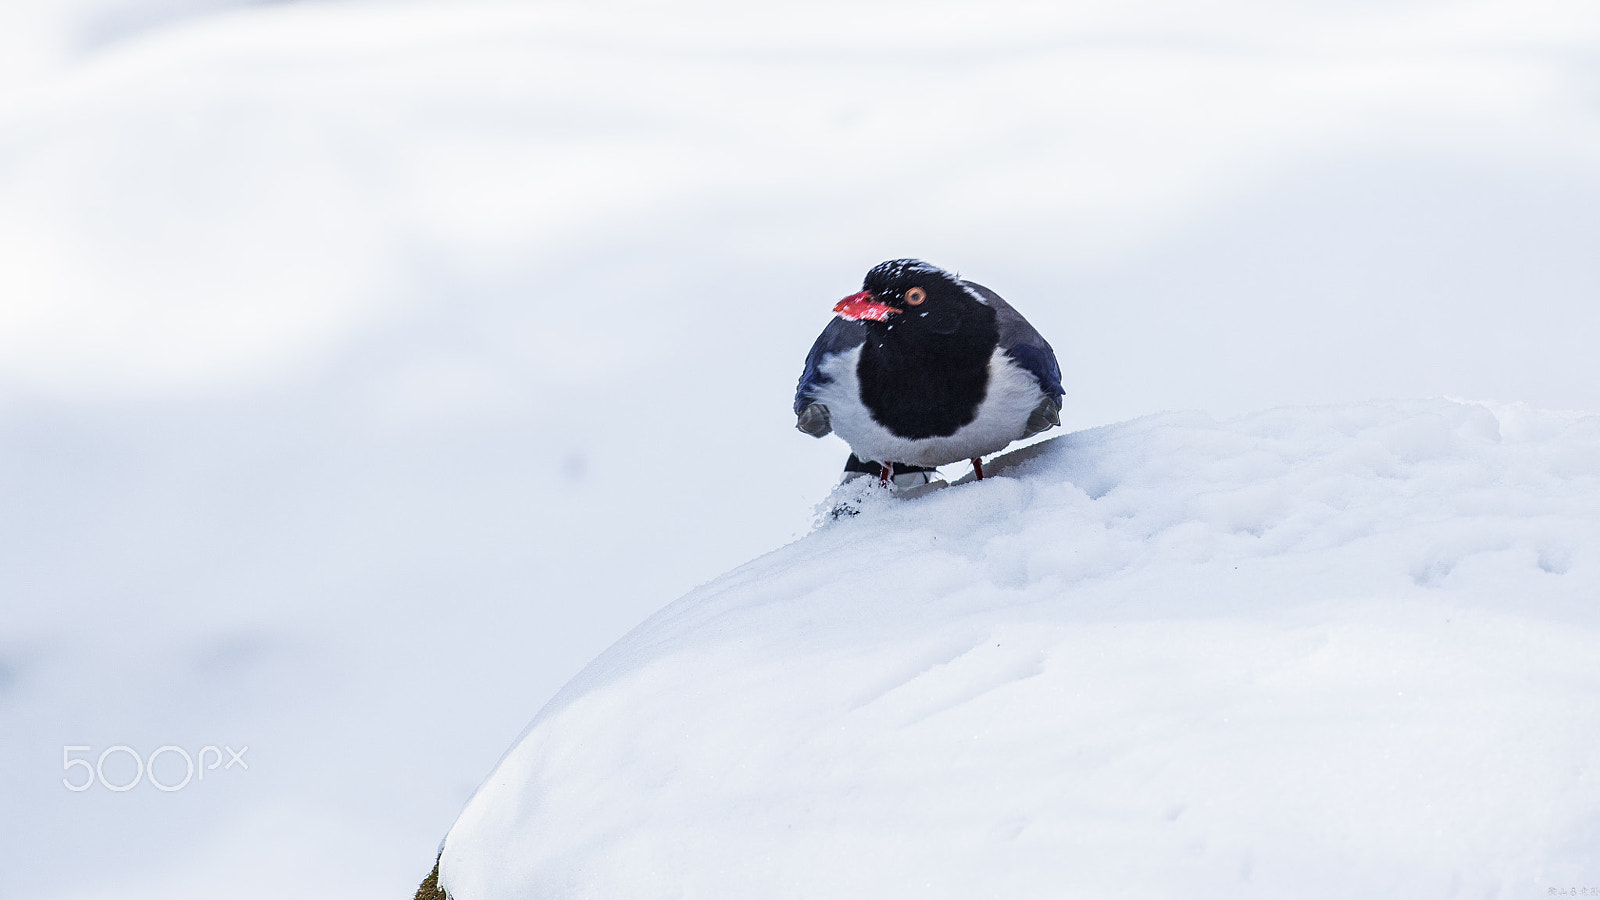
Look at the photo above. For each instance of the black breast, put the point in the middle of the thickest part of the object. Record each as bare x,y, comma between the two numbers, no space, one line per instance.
926,376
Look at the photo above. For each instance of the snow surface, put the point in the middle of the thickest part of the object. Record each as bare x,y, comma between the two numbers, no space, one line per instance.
1344,651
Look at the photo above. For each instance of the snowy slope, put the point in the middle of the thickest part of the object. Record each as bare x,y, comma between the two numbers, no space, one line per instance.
1345,651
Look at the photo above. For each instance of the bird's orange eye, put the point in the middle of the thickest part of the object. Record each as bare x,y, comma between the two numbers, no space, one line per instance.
915,296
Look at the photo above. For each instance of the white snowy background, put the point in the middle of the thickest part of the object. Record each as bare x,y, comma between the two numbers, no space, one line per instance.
367,368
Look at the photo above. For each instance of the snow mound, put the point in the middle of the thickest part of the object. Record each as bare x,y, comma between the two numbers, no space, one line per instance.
1332,652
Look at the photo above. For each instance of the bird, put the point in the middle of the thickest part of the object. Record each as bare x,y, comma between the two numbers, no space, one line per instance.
921,369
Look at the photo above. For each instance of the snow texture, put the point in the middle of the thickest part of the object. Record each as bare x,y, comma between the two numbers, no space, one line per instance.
1346,651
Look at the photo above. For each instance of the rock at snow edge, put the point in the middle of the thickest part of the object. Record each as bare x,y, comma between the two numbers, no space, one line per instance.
1343,651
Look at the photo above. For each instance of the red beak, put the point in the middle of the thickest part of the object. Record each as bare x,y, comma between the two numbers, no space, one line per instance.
864,306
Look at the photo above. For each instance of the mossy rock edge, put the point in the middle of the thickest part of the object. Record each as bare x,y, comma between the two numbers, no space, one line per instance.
429,889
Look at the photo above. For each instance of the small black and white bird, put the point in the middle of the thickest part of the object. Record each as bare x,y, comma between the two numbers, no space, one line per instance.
922,369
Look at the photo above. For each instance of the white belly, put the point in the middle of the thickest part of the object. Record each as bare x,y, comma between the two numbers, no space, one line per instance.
1002,416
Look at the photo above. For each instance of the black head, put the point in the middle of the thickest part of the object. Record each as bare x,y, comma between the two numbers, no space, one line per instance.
914,297
924,368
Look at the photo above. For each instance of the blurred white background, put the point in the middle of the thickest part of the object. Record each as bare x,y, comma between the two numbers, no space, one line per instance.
366,368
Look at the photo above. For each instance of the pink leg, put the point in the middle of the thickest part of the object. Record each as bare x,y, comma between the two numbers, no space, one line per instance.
977,467
885,474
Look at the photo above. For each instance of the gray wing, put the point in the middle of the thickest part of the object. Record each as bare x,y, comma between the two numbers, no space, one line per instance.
1023,343
840,335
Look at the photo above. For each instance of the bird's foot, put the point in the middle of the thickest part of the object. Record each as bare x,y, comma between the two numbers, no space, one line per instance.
898,476
977,467
866,483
